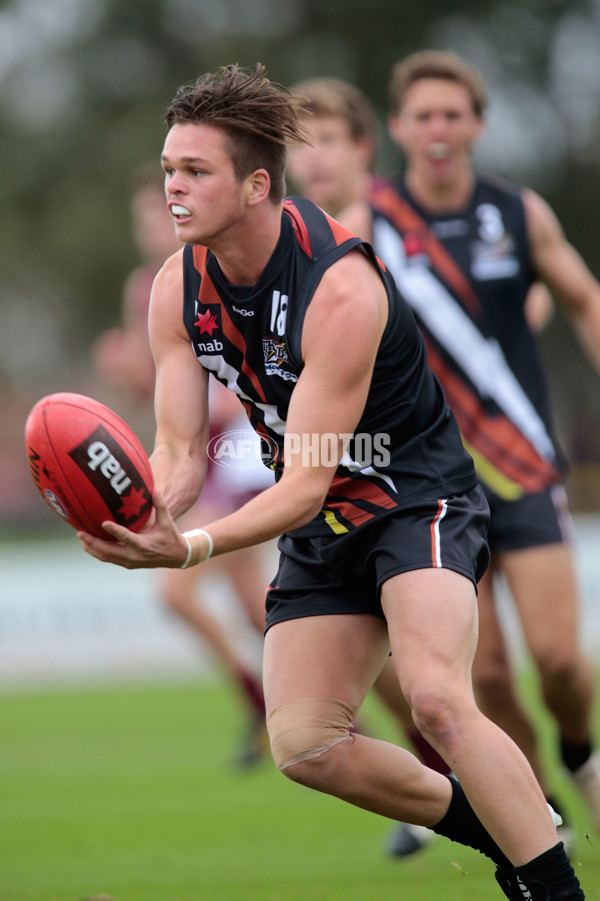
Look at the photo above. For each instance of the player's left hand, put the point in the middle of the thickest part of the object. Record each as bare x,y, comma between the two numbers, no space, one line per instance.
160,544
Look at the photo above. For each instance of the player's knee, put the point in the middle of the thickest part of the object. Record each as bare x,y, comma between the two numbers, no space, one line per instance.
436,713
303,731
173,602
173,597
558,665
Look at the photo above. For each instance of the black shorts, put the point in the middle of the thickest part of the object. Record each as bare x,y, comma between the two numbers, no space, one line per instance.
530,521
344,573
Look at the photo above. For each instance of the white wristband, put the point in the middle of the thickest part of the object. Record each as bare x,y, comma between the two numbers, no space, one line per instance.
191,534
186,562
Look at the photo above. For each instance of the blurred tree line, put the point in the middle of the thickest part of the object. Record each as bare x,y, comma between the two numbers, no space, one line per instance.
83,88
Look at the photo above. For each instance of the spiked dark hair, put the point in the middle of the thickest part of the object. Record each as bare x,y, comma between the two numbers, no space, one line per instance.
260,118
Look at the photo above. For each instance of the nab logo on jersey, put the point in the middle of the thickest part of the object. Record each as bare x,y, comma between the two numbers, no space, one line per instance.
209,347
207,322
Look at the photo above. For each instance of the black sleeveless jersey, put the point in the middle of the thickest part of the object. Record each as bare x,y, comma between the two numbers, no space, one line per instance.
406,445
466,276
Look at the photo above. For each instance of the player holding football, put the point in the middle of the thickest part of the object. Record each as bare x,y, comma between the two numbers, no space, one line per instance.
383,533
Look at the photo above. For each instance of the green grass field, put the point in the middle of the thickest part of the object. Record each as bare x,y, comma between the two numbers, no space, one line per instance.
129,794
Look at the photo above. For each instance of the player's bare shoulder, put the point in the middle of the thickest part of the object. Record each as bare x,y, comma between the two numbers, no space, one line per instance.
350,303
353,286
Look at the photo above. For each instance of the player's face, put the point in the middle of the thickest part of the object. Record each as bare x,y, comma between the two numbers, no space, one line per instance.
203,194
331,171
436,128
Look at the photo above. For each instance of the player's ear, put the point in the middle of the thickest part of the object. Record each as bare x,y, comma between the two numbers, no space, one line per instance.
258,185
366,150
478,127
394,124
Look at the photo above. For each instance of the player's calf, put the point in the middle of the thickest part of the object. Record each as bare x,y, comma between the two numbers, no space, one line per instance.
549,877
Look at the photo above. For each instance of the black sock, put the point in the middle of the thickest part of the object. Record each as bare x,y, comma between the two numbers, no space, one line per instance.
574,756
460,824
550,877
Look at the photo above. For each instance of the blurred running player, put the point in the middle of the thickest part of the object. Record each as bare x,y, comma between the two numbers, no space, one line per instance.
335,171
465,250
123,359
493,679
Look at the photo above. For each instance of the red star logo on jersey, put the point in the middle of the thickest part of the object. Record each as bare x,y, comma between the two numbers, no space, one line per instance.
413,244
206,322
132,504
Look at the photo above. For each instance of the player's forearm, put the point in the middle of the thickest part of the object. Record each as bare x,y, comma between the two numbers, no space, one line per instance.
178,478
288,505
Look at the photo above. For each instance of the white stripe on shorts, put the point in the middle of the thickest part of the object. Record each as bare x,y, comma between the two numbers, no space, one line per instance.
563,515
436,549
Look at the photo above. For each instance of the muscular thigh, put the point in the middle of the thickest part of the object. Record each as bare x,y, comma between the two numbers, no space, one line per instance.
337,656
432,623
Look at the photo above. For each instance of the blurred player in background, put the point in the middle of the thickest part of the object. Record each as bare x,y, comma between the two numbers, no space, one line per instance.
225,489
335,171
122,354
443,235
123,360
315,171
375,553
465,250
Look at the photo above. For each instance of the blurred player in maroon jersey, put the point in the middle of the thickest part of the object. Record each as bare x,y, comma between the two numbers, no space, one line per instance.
123,359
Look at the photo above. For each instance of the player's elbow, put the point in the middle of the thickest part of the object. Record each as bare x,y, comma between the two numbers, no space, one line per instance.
305,494
308,509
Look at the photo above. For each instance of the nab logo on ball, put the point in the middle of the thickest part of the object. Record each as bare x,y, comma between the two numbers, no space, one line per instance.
113,475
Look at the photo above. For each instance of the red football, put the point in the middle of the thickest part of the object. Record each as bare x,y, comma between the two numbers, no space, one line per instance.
87,463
